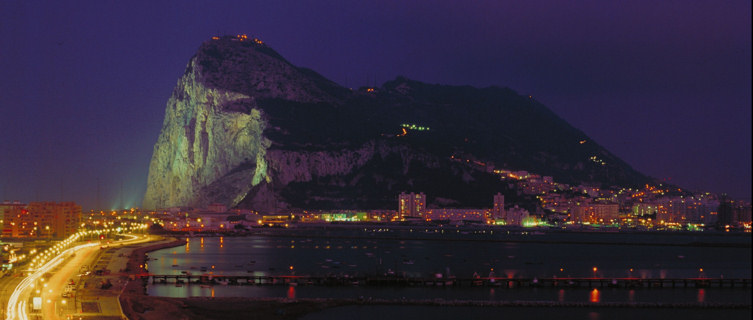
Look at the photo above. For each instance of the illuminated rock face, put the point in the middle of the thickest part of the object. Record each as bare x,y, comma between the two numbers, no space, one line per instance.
201,142
245,128
211,147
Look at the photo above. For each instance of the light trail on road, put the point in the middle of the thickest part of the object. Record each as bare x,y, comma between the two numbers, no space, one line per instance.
16,308
13,302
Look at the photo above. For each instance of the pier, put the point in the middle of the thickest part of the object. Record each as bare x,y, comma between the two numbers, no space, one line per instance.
294,280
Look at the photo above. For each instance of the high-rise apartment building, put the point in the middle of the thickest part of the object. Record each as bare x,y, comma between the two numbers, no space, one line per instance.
43,220
412,204
498,211
9,212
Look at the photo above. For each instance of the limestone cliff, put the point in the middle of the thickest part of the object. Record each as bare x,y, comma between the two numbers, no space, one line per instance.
211,147
246,128
202,140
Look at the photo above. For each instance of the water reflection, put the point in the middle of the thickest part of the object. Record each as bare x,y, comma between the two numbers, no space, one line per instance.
261,256
425,258
291,292
595,296
701,295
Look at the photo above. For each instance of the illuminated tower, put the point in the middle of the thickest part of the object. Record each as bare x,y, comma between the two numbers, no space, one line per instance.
412,204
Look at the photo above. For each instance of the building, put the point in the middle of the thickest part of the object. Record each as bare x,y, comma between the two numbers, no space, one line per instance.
457,215
644,209
56,219
412,204
44,220
217,207
498,211
515,216
596,213
10,212
726,214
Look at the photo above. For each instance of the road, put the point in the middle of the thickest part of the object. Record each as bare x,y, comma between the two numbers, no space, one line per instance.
61,269
53,302
7,285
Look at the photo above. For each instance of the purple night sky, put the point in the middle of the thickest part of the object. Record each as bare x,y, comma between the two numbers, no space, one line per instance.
664,85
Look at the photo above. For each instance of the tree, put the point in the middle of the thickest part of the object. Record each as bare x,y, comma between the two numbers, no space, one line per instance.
156,229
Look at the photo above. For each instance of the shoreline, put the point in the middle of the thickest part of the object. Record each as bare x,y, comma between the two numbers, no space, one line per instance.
137,305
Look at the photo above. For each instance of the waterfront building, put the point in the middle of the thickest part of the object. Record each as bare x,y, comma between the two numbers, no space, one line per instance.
498,211
680,210
743,213
515,216
596,213
725,212
457,215
412,204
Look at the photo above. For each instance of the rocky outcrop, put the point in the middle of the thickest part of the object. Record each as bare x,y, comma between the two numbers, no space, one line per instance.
245,128
201,142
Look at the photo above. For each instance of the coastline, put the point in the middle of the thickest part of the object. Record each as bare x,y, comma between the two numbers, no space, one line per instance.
136,304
